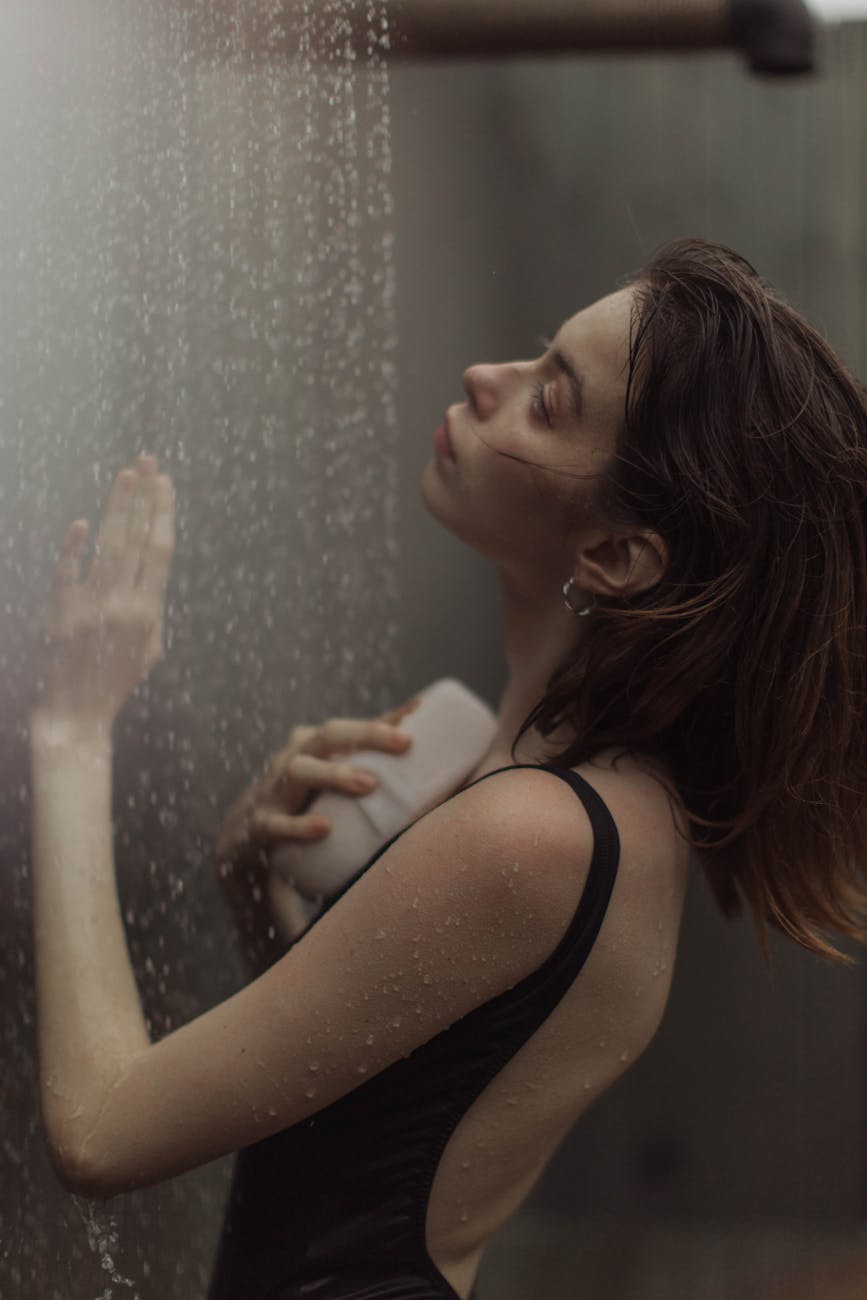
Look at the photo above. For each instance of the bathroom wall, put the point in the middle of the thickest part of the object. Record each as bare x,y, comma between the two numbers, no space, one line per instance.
522,191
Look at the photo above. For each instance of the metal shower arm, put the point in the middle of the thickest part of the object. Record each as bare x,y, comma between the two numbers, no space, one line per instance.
776,36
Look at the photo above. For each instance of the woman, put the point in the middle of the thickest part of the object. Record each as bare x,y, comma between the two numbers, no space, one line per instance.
674,497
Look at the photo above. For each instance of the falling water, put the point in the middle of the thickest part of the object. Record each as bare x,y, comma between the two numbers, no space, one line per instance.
198,258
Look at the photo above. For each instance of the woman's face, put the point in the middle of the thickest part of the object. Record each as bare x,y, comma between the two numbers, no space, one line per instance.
527,442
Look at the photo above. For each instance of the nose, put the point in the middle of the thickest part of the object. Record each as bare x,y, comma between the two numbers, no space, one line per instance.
484,387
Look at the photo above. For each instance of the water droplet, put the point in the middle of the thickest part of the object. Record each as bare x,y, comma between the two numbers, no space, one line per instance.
314,1065
311,1092
369,1039
396,1022
624,1054
361,1069
464,1217
380,934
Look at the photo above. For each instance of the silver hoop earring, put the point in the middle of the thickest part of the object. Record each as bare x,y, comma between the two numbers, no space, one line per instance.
567,587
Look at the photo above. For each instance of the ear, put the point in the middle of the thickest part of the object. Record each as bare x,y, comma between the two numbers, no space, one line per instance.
621,564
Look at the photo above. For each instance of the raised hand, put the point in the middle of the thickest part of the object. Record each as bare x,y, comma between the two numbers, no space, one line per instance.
104,635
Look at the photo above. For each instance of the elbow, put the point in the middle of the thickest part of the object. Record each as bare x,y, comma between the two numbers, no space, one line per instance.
74,1169
76,1174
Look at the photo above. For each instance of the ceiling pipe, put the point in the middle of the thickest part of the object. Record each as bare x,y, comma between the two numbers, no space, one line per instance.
776,37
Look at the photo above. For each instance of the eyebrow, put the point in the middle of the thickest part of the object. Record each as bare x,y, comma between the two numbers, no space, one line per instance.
576,380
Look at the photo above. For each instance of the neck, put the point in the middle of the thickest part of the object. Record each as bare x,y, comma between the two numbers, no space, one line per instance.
539,631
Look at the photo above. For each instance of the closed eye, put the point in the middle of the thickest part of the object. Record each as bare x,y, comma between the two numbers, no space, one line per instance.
538,406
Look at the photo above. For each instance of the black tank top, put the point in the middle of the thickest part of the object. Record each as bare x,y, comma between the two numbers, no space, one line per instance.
334,1207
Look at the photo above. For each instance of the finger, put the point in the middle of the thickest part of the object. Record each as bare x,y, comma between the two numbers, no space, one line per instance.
395,715
351,733
267,826
111,542
160,546
140,520
68,571
55,621
321,774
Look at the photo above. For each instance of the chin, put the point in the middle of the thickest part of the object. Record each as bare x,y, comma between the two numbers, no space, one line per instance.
449,511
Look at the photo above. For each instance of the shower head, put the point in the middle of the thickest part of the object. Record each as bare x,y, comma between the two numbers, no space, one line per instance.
777,36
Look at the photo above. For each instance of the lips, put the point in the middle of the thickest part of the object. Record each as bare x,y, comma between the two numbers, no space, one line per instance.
448,428
443,440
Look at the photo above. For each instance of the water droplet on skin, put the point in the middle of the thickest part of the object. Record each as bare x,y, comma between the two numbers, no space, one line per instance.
314,1066
624,1054
271,1111
361,1069
380,934
602,1042
396,1022
369,1039
638,992
311,1092
426,979
464,1217
465,1164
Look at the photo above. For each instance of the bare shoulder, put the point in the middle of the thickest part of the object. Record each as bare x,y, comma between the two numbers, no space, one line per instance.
520,841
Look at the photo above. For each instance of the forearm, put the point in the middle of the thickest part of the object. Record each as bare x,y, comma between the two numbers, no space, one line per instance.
242,870
245,890
90,1022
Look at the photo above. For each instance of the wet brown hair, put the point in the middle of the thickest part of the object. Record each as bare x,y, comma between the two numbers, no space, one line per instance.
744,446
